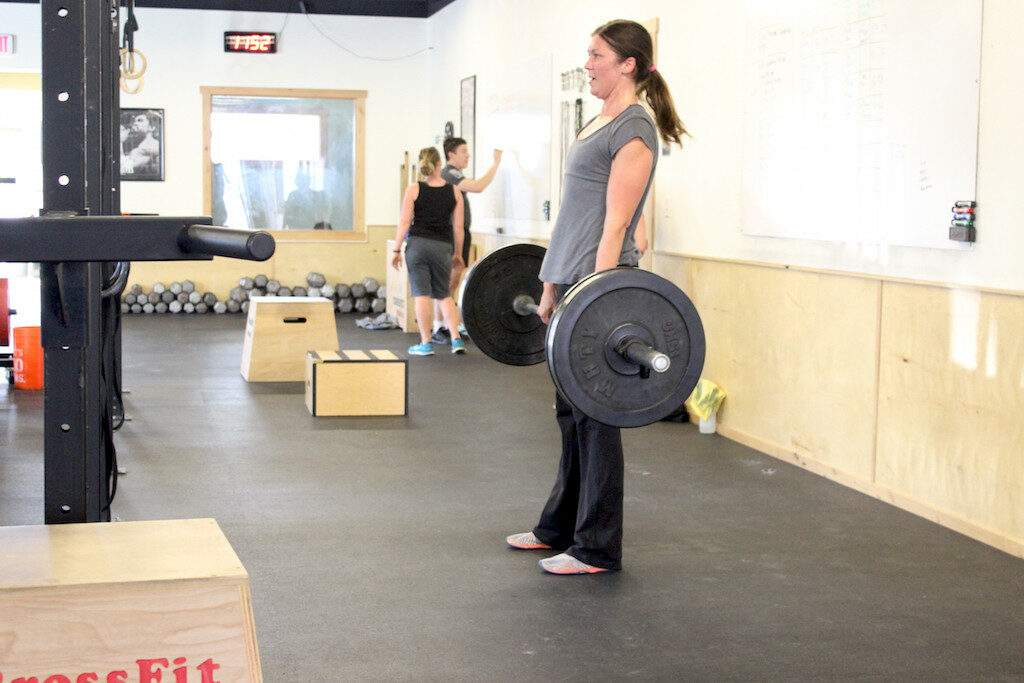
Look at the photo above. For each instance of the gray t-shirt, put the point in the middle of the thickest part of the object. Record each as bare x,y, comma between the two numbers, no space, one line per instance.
572,253
452,175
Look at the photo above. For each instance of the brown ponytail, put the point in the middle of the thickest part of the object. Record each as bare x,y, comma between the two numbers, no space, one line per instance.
630,39
670,126
430,160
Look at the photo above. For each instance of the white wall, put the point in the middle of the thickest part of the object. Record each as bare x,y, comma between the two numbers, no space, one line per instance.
184,51
701,53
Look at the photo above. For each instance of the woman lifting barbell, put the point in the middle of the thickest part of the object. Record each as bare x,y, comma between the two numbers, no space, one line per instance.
609,170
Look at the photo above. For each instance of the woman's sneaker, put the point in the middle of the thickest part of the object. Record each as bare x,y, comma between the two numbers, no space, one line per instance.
567,564
526,541
425,349
458,346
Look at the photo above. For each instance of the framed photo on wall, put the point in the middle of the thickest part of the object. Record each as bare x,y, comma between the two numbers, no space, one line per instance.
468,123
142,144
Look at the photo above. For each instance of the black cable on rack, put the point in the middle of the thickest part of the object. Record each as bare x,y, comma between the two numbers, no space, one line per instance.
111,295
114,288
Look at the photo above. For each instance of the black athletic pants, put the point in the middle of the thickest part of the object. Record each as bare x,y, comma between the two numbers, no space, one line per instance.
583,515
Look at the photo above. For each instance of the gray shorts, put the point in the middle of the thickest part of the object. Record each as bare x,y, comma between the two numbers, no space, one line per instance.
430,267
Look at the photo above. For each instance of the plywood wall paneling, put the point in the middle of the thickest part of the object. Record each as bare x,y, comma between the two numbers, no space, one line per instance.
910,392
951,401
795,354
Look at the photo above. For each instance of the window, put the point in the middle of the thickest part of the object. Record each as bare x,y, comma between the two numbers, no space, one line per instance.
282,159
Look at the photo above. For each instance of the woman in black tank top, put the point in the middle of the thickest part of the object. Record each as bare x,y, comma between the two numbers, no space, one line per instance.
432,219
432,212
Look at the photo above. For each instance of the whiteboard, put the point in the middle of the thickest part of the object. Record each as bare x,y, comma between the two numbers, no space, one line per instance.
861,119
517,119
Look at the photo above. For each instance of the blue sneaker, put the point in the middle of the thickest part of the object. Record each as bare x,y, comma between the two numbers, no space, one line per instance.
458,346
426,349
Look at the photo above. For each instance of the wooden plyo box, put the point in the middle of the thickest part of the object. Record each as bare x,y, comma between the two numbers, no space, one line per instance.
279,331
125,601
399,303
356,383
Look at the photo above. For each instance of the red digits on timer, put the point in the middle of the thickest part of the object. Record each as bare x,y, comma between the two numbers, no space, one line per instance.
251,42
257,43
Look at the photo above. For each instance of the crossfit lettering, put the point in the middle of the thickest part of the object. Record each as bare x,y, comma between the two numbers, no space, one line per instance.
146,673
150,671
180,675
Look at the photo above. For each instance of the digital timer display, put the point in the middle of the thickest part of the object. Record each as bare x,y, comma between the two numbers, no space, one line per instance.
245,41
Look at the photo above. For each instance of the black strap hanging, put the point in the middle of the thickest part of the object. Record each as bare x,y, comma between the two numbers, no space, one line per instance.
131,25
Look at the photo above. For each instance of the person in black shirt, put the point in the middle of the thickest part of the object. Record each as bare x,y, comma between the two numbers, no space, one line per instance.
432,217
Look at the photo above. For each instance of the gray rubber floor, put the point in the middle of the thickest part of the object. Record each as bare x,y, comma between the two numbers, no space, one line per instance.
375,546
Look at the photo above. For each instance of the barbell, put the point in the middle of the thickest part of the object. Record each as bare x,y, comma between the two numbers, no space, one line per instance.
625,346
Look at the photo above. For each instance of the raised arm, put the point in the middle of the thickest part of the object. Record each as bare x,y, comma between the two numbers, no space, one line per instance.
631,169
458,228
481,183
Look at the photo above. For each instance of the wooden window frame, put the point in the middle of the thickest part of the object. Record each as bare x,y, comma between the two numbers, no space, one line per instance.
358,231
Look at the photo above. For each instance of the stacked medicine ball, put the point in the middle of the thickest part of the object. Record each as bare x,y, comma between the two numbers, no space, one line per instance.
365,296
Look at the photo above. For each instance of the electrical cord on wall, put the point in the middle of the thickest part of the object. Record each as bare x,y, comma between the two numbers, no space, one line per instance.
287,16
305,11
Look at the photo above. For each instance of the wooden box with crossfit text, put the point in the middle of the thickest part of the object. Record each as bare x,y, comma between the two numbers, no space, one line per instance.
351,382
125,601
399,303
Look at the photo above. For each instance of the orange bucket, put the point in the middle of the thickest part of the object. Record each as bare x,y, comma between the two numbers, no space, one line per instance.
28,358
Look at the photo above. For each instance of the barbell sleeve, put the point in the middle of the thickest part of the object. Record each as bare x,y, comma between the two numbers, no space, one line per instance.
524,304
252,245
632,348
